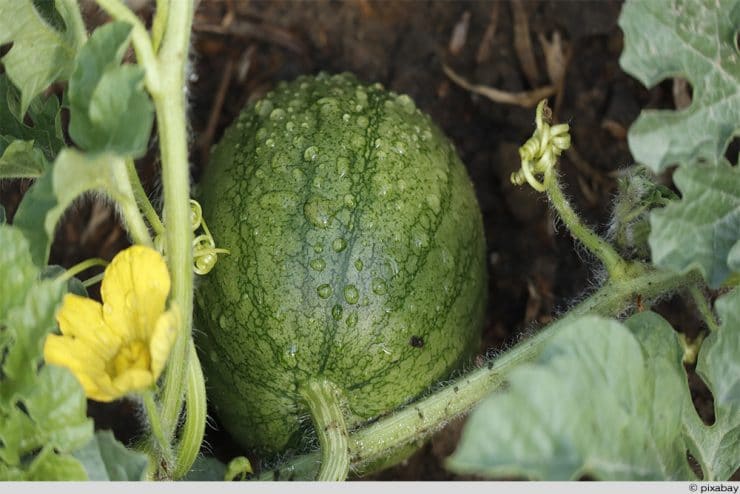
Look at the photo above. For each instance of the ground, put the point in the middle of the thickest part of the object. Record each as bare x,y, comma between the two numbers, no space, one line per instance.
242,48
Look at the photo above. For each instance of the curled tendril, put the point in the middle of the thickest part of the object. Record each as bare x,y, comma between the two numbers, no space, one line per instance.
205,252
540,153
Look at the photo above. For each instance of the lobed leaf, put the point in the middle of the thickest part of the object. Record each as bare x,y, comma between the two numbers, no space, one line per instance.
694,39
26,150
587,407
702,230
41,54
109,109
717,447
73,174
639,419
21,159
42,408
104,458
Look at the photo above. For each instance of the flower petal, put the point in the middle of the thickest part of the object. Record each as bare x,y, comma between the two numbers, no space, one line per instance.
165,334
134,291
85,365
82,318
133,380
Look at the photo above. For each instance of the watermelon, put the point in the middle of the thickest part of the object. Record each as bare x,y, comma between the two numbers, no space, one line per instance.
357,256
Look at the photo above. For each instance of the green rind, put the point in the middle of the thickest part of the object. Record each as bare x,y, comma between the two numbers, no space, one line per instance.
320,159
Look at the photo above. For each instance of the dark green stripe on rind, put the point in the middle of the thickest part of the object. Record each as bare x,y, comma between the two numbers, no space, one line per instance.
353,229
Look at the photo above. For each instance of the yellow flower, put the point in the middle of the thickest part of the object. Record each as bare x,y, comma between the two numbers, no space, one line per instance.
121,345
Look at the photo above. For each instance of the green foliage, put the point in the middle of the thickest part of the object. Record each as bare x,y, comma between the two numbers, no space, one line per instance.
104,458
109,109
41,54
73,174
638,419
717,447
694,39
206,469
638,195
26,150
703,228
42,408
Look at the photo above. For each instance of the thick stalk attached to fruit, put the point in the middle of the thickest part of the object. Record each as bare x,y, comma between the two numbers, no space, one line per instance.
323,400
419,420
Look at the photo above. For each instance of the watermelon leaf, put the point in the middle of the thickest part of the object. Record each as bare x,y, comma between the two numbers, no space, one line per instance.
640,420
41,54
703,228
694,39
42,408
109,109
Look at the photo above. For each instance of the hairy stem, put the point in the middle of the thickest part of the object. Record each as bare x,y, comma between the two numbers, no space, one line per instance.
195,422
323,402
155,424
142,200
613,262
171,123
703,307
417,421
82,266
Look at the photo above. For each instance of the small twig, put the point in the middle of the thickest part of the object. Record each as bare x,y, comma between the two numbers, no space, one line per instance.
681,95
523,43
484,49
459,34
527,99
206,138
246,29
557,56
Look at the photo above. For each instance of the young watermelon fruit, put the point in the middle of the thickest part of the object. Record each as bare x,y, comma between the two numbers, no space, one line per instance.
357,256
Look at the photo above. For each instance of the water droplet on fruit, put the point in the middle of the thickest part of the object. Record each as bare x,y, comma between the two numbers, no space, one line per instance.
317,264
420,242
263,107
324,290
352,320
379,286
298,175
433,201
351,295
362,122
336,312
346,117
342,166
310,153
358,264
270,143
318,248
339,244
317,212
277,114
292,350
349,201
406,103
